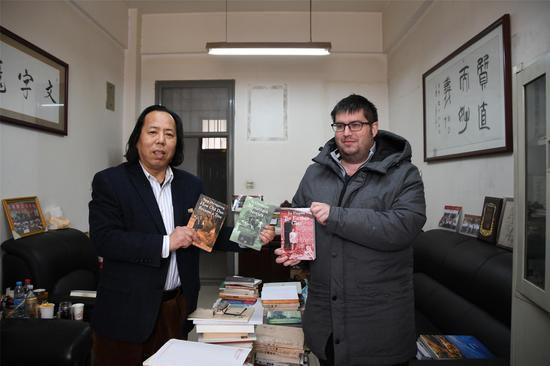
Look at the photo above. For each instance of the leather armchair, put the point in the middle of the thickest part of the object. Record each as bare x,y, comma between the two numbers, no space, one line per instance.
58,261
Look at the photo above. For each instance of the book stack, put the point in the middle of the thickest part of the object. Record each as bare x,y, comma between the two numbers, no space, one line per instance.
282,296
449,347
230,324
279,345
240,290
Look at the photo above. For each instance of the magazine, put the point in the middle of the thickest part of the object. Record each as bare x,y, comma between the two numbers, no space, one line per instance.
253,216
207,219
444,347
298,233
451,218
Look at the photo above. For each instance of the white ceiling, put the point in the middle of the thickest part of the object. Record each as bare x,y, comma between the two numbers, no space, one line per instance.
184,6
398,16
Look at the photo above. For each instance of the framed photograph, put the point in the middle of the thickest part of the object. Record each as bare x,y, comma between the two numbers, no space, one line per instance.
467,98
490,219
24,216
470,225
506,227
451,218
33,85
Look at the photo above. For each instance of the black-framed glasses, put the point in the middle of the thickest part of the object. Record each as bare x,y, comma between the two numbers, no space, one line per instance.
353,126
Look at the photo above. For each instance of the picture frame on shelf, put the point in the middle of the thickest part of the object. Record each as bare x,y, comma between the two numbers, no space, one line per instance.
470,225
490,219
506,226
34,85
451,218
24,216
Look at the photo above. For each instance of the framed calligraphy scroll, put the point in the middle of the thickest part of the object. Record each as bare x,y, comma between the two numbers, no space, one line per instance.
468,98
33,85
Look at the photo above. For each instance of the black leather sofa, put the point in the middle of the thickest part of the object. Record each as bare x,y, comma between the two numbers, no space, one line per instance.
463,286
58,261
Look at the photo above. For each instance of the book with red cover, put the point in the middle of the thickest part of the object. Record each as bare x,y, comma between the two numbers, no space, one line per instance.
298,233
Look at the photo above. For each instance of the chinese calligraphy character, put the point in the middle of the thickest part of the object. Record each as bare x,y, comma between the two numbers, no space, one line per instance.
464,78
482,116
26,78
463,116
447,120
49,91
482,66
447,91
2,85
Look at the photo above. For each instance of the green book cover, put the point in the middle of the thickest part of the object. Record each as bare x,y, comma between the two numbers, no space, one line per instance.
254,215
284,317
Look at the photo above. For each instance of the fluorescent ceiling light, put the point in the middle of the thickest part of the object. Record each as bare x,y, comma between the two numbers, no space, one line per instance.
269,48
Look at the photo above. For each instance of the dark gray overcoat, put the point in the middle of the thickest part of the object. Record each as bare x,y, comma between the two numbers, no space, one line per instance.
361,284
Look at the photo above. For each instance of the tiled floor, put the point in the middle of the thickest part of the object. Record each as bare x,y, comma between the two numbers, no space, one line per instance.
207,297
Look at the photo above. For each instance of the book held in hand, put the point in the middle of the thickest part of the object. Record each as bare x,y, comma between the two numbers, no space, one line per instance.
207,219
298,233
253,217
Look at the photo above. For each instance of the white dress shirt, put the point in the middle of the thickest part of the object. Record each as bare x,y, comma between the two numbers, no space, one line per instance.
163,195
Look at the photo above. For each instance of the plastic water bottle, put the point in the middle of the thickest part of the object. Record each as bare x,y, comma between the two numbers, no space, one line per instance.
19,300
31,303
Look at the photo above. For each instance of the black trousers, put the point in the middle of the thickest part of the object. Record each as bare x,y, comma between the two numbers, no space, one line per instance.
329,351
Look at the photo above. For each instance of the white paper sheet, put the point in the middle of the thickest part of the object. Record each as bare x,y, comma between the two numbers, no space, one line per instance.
279,293
183,353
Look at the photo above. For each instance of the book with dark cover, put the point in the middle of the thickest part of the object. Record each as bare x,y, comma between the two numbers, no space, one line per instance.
490,219
207,219
253,217
298,233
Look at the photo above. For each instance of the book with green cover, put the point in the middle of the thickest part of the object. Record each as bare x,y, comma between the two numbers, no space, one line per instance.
284,317
253,217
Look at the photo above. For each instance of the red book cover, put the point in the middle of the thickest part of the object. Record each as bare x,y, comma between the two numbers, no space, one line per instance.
298,233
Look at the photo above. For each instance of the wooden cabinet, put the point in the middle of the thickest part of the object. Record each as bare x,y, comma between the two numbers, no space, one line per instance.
262,265
532,182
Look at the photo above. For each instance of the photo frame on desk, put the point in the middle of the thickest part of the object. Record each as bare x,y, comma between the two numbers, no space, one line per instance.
33,85
24,216
467,98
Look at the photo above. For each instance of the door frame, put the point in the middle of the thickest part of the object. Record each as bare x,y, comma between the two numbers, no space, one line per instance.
230,86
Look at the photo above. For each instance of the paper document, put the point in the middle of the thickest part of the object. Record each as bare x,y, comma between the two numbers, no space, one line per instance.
279,293
181,353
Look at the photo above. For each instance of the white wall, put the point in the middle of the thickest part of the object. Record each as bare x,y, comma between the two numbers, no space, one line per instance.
444,27
59,169
314,84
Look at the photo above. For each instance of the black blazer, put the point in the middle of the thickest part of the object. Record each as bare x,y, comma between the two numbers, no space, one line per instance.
126,228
